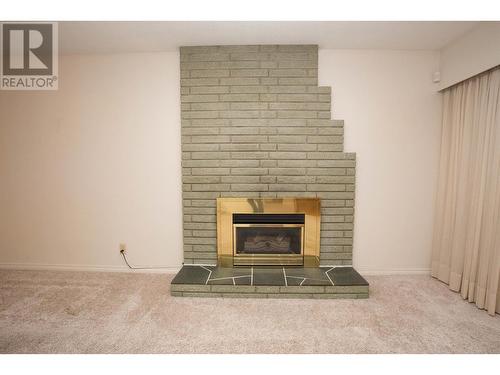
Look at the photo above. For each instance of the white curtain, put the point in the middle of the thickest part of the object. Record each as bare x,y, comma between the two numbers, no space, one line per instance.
466,246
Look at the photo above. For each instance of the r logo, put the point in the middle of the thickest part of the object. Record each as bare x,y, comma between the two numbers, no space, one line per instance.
29,56
27,49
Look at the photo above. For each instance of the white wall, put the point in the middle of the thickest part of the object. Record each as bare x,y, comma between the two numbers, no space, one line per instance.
473,53
92,165
98,162
392,119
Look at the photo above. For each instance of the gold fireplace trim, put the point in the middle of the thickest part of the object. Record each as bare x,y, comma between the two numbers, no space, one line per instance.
310,207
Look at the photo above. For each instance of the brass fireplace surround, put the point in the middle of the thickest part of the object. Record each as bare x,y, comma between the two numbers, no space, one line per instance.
309,207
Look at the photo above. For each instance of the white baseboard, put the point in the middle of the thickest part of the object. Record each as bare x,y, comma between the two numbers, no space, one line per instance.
399,271
89,268
170,270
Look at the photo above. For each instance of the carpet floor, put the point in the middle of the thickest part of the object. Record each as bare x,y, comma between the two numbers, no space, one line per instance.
93,312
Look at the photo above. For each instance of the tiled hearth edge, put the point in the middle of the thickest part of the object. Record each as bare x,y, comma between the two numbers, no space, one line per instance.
273,282
242,291
256,124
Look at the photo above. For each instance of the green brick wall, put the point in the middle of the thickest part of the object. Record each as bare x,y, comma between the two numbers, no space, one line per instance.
256,124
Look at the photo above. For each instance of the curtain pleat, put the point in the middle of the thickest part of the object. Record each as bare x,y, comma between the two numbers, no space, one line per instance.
466,243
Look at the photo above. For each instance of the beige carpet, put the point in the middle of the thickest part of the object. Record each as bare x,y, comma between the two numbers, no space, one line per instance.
87,312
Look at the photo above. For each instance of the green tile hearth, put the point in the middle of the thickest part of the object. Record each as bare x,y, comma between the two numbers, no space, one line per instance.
269,282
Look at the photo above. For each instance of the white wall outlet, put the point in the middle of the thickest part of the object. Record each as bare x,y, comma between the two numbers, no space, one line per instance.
123,246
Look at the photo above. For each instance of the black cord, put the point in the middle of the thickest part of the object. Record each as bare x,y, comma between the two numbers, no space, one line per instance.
122,252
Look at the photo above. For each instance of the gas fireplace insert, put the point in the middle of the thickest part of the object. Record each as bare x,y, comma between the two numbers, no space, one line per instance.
268,231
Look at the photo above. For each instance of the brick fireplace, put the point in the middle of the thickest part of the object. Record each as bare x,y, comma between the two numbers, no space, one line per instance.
268,191
255,124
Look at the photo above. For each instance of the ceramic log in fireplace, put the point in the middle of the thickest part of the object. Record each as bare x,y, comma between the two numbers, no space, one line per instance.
268,231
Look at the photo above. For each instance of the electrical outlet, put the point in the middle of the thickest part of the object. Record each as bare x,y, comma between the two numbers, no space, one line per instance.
123,247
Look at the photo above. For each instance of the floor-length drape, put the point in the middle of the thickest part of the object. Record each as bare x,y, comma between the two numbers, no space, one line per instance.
466,246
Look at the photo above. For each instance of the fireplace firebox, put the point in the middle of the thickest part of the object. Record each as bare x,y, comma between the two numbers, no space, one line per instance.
268,231
262,238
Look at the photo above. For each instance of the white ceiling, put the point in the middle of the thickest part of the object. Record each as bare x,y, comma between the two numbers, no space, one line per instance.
115,37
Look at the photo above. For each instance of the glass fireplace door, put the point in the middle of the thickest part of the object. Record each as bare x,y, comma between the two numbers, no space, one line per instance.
280,244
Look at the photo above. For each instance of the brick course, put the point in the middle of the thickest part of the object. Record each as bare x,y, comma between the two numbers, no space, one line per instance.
255,124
